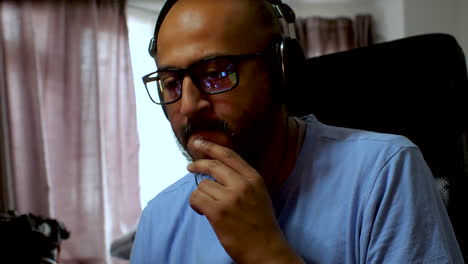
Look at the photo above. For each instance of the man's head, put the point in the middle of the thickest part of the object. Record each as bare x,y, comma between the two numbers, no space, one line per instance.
239,118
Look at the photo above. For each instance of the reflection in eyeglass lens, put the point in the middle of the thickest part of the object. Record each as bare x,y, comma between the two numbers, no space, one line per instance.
170,85
214,75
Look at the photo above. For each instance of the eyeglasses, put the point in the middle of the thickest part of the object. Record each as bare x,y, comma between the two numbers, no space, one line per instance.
212,75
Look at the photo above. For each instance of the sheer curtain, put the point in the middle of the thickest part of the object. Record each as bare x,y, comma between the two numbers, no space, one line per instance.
320,36
70,144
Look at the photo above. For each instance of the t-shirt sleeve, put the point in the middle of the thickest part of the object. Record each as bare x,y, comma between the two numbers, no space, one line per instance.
405,220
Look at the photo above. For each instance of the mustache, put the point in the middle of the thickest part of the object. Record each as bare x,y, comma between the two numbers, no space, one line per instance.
195,126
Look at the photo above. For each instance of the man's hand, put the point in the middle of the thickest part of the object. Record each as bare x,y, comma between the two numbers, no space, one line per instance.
238,207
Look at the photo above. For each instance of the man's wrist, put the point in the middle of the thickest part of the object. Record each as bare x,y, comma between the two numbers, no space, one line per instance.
278,252
285,256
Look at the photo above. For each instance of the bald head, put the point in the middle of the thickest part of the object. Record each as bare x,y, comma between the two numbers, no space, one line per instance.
241,26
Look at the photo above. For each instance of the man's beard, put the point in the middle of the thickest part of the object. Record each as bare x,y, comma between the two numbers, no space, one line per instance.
246,141
193,127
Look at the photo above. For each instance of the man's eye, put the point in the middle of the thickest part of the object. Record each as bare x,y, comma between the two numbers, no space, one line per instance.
170,83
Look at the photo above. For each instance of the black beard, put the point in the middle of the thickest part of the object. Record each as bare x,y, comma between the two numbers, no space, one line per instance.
248,140
195,126
245,143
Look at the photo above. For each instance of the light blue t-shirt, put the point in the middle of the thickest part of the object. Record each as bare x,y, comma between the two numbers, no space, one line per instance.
353,197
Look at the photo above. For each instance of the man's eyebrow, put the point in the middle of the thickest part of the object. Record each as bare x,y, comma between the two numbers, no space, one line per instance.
168,67
206,56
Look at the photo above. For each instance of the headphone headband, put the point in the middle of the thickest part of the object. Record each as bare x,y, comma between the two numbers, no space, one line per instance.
281,10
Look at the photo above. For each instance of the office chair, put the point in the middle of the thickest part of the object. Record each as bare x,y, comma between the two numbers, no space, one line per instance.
416,87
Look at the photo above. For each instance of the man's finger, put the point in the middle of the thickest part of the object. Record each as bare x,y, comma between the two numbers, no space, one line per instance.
201,201
223,174
225,155
213,189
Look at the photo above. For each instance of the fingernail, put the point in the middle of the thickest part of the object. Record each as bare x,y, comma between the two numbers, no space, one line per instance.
189,166
198,142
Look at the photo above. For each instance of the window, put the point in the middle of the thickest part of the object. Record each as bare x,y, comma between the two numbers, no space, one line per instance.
161,162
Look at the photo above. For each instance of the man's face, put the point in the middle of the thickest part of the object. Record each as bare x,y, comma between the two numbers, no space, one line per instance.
236,119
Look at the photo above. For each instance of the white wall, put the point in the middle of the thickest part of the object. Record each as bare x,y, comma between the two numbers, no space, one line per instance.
438,16
462,24
429,16
389,19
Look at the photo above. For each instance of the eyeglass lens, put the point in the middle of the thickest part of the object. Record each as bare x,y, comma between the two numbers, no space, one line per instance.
215,75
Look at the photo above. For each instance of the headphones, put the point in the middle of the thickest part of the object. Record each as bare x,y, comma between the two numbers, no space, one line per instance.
287,56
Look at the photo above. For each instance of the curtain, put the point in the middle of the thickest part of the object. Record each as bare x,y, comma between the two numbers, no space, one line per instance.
319,36
70,144
363,31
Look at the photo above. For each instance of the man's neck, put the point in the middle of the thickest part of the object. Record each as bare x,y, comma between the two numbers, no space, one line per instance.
281,151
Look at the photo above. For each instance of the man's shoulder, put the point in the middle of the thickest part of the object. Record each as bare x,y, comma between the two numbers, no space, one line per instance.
356,150
164,224
176,193
170,205
355,137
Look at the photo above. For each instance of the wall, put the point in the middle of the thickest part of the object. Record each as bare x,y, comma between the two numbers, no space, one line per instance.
332,9
428,16
462,24
389,19
433,16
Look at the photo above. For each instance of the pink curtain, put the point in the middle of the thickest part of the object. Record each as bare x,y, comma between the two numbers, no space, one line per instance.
363,31
319,36
70,144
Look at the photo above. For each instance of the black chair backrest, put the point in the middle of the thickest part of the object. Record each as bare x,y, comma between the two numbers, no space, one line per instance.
416,87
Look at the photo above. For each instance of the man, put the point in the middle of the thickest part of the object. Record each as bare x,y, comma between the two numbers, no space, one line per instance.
280,189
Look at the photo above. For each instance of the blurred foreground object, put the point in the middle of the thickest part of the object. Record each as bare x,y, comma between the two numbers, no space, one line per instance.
28,238
122,246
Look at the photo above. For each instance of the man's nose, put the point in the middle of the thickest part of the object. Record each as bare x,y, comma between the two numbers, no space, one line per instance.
193,99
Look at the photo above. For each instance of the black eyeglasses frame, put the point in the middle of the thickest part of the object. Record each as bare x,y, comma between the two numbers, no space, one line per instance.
183,72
